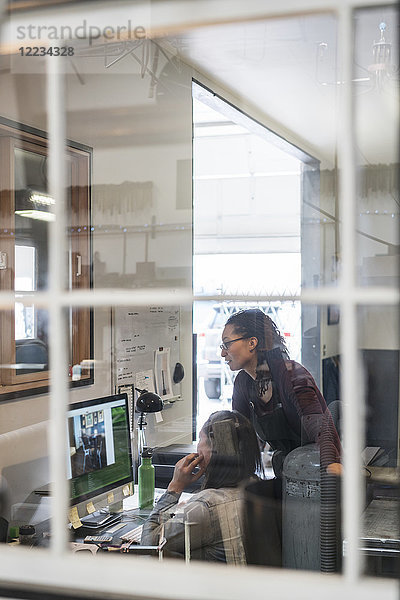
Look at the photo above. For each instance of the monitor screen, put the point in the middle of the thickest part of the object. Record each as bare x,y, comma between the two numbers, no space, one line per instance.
100,458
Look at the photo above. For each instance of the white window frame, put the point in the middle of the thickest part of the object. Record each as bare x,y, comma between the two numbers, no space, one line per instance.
57,569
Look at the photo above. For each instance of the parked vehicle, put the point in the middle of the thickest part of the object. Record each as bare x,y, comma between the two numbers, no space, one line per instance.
209,364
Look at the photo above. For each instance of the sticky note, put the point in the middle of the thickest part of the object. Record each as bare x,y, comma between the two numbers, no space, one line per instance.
110,498
90,508
125,490
74,517
159,418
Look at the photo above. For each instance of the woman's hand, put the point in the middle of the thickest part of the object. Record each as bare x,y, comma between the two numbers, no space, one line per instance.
184,473
334,469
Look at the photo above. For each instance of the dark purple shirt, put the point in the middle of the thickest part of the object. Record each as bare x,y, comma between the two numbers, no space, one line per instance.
303,405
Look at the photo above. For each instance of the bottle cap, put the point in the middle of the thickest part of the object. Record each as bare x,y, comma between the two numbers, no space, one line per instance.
147,452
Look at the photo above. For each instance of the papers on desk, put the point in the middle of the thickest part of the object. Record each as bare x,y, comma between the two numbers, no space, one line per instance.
132,502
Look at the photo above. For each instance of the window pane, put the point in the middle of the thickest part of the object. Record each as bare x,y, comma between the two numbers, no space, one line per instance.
25,474
138,122
379,350
28,211
25,281
376,96
140,131
33,211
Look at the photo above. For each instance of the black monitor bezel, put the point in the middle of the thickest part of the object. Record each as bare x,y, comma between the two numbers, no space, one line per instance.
107,488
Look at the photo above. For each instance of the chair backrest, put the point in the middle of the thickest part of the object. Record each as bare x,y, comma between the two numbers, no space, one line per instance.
24,463
3,529
32,352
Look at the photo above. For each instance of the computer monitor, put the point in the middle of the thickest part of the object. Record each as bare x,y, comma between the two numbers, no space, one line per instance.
99,465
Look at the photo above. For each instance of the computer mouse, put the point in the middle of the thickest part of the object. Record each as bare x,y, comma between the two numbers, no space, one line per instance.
179,373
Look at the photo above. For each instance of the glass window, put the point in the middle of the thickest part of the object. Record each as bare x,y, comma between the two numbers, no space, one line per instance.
376,101
270,232
28,209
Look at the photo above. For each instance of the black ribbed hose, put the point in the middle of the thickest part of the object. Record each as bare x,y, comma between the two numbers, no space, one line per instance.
330,544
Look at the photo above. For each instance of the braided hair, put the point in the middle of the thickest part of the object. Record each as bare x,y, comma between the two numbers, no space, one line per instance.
253,322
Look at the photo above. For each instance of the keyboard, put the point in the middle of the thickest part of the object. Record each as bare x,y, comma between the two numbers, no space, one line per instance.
116,528
133,535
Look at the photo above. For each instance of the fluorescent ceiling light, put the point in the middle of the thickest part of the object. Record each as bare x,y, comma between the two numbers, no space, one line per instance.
40,215
35,366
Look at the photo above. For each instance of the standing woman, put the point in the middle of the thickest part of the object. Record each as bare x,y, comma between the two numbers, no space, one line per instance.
278,395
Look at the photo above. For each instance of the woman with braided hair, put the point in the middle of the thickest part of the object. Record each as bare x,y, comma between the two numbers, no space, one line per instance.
287,410
278,395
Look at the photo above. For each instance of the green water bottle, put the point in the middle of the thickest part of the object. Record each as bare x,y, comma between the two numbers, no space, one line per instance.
146,480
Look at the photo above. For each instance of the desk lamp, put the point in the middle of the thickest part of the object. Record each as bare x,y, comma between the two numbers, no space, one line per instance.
147,402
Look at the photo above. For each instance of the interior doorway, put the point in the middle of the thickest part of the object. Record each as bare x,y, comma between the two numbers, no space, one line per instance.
247,235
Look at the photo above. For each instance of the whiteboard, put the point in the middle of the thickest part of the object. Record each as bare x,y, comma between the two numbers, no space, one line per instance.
138,334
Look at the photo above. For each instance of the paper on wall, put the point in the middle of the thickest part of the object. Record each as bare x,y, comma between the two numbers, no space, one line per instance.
137,333
163,372
144,380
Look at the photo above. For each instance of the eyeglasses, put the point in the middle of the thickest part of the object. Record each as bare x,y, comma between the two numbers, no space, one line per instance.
225,345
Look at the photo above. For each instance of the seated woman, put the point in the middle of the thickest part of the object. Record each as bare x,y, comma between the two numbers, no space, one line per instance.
227,454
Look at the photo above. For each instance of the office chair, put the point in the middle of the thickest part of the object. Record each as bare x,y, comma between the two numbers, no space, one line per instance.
31,352
3,521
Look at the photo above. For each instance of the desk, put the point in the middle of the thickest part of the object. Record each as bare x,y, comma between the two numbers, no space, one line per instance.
37,512
131,516
380,541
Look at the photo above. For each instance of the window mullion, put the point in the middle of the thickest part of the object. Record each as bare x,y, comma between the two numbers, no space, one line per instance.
57,279
351,386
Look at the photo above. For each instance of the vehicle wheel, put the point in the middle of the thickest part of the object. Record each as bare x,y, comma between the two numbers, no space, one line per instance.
213,388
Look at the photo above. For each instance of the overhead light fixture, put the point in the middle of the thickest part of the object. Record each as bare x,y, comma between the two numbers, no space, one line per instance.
379,74
39,215
382,68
